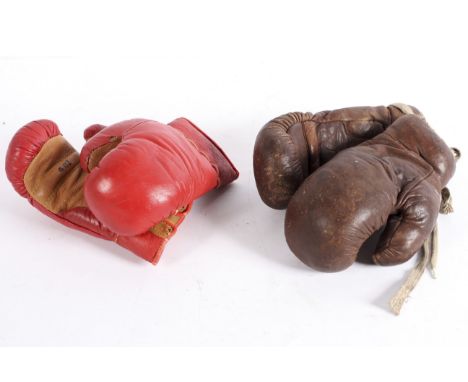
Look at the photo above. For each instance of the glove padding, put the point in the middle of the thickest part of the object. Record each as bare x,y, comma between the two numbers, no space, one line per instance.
393,180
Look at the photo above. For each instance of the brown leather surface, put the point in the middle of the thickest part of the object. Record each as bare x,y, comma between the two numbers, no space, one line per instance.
391,182
292,146
54,178
99,153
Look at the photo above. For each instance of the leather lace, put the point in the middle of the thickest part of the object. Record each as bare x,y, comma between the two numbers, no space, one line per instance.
429,257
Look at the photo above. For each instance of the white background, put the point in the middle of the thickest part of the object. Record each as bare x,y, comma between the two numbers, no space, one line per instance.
227,277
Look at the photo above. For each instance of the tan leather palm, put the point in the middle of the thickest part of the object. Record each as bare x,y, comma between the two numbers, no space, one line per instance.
55,178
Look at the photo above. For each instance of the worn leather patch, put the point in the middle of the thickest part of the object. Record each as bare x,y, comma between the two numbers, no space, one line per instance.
310,133
54,178
101,151
165,228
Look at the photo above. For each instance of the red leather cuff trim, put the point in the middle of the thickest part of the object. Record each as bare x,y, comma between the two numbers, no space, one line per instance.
226,170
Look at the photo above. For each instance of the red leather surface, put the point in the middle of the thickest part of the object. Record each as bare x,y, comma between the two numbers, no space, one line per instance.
92,130
150,174
227,173
24,146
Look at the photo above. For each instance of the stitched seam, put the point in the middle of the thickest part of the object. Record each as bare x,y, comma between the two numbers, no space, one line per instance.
299,121
344,120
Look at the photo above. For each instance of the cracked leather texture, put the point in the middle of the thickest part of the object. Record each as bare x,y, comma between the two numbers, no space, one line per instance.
391,183
290,147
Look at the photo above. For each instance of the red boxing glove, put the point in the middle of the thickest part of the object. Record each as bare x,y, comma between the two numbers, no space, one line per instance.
143,171
45,169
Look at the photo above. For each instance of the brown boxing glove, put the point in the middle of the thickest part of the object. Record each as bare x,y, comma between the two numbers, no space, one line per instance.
290,147
393,180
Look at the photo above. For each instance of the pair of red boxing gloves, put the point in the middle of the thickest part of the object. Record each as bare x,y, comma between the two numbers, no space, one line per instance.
133,182
343,175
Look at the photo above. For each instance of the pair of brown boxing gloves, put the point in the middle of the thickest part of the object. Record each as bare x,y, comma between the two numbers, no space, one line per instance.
349,175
